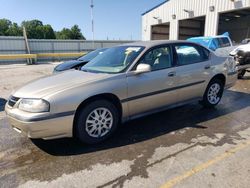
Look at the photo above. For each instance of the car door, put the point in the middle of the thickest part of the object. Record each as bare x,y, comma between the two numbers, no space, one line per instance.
192,70
152,90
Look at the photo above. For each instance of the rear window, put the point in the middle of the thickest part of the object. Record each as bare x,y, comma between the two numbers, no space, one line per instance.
223,42
190,53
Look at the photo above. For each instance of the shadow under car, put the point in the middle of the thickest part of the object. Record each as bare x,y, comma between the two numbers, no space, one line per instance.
149,127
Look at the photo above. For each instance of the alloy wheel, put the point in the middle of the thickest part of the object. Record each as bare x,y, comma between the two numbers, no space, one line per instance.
213,93
99,122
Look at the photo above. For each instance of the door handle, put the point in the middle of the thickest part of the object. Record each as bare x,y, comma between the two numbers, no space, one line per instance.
207,67
171,74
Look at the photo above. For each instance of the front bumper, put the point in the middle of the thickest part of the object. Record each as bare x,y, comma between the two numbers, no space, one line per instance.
46,126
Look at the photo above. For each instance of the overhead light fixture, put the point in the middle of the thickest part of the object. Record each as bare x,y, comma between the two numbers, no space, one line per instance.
158,19
227,19
237,16
188,11
211,8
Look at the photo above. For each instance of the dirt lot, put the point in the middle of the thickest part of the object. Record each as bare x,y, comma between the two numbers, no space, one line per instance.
183,147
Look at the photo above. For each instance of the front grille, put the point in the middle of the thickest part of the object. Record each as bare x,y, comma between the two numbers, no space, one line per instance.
12,101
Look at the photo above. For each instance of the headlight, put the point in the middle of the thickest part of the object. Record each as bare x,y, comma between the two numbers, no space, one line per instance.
34,105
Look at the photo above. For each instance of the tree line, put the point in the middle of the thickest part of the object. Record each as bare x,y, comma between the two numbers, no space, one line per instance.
35,29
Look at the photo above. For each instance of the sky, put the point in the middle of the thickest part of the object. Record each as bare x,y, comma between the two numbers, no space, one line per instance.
114,19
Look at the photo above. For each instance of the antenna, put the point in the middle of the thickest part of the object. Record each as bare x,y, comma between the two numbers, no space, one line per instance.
92,20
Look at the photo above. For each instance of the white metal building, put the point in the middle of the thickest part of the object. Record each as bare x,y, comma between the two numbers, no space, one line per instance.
181,19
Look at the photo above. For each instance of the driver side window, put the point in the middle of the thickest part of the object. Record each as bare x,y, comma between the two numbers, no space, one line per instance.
158,58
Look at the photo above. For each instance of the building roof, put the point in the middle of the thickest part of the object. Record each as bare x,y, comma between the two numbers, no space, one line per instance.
154,7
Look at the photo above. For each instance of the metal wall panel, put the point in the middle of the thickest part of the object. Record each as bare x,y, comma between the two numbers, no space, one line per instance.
40,47
16,45
66,46
199,8
7,44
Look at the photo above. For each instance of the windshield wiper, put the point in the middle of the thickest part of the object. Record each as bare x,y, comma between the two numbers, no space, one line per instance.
84,70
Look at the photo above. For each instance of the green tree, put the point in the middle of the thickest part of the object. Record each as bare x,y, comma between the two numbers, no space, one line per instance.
73,33
4,26
76,33
64,34
48,32
14,30
36,30
33,29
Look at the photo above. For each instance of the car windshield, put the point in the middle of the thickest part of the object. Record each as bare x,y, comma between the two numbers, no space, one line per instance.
91,55
113,60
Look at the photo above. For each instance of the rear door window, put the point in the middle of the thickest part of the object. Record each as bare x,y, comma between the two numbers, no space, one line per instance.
189,54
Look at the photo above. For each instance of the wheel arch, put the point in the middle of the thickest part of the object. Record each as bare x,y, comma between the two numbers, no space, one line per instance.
221,77
104,96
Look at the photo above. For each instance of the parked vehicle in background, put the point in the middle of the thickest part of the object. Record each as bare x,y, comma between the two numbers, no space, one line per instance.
124,83
242,57
213,42
77,64
246,41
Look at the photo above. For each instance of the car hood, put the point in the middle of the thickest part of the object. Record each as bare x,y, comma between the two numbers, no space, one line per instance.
68,65
244,48
53,84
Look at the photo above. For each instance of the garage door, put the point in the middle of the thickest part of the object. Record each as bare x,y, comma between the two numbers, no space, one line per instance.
237,23
191,27
160,32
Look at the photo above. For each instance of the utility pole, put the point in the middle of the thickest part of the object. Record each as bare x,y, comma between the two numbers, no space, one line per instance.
92,21
29,61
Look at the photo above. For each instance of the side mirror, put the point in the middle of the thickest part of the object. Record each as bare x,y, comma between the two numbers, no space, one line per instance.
142,68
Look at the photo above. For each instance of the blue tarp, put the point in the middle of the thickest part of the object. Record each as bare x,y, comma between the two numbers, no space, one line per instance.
209,42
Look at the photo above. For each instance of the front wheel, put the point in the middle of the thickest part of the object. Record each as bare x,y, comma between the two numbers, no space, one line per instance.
213,93
97,121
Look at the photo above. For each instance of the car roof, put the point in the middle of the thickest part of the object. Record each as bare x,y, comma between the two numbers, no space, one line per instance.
149,44
209,37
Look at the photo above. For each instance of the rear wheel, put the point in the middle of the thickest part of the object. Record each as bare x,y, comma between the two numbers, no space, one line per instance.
213,93
97,121
241,74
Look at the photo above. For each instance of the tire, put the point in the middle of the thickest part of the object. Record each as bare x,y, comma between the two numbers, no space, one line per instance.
213,93
91,125
241,74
